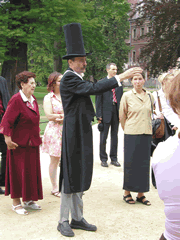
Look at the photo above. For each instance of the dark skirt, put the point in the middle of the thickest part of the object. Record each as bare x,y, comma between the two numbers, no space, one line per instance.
137,150
23,174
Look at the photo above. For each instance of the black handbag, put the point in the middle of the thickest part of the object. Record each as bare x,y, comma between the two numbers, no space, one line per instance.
155,125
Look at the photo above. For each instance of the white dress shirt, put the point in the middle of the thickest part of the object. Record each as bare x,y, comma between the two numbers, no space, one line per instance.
167,111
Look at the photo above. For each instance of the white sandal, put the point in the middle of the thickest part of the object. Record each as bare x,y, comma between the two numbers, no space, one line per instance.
21,211
32,205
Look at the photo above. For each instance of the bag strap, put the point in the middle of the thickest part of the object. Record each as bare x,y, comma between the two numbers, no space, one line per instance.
159,102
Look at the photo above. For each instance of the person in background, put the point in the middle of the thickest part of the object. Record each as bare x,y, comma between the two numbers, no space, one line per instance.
53,133
171,119
20,127
107,111
165,80
135,118
4,99
166,165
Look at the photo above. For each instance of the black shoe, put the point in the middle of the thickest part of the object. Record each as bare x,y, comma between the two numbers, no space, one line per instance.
115,163
65,229
104,164
2,191
83,224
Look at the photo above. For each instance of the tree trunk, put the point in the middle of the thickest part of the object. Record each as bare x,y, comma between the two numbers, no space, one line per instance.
11,68
57,58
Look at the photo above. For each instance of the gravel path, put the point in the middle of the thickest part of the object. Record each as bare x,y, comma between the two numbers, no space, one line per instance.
103,206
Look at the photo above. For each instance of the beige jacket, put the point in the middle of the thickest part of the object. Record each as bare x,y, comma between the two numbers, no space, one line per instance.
135,112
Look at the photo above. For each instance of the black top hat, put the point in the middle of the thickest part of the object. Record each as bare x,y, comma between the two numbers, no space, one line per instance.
74,41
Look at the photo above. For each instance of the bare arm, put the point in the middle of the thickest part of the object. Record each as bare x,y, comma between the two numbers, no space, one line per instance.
129,73
49,112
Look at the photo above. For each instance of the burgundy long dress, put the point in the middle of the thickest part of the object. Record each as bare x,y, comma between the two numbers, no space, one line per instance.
23,172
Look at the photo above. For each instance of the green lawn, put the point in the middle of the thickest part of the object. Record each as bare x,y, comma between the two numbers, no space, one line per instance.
39,93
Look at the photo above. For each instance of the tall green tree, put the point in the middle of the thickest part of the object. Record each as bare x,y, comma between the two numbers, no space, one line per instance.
113,26
35,26
25,22
104,36
163,48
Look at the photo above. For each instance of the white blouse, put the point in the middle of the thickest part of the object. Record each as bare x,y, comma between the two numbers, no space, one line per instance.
167,111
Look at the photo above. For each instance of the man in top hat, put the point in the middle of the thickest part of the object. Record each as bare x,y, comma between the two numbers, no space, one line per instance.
107,111
77,146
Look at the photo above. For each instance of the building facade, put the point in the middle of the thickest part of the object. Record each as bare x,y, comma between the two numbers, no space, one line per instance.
136,44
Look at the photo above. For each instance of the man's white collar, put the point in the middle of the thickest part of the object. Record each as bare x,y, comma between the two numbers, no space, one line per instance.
73,72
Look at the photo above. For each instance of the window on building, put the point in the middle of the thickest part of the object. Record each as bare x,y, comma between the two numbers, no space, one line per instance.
134,33
134,56
142,31
139,55
148,29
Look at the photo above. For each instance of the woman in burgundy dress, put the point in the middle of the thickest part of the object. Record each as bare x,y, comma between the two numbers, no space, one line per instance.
20,126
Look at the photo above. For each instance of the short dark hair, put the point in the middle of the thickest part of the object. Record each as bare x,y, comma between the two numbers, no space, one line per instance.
143,75
23,77
109,65
73,59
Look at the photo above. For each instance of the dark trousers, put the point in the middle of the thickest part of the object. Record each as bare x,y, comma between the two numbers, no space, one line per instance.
114,137
3,149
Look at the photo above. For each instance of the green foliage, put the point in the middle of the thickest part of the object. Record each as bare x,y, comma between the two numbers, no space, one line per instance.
40,61
38,23
113,25
163,48
41,90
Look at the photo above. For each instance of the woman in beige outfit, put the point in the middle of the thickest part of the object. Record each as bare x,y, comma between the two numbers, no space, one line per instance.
135,118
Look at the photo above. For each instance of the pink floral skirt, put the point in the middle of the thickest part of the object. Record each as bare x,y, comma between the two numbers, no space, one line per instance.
52,139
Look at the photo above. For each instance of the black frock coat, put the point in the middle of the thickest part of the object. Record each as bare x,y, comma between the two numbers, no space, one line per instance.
77,145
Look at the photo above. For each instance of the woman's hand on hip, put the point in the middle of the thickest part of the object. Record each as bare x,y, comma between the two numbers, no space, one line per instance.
10,143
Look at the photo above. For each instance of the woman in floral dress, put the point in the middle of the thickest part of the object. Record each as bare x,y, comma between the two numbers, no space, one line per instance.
53,133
